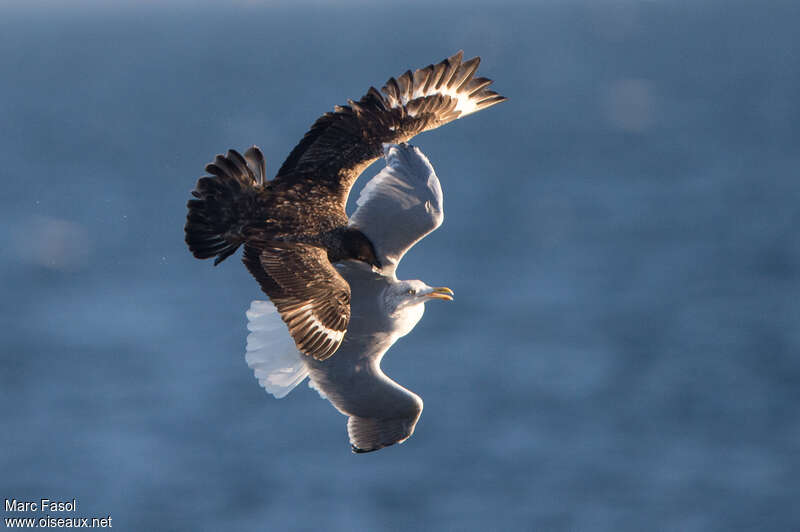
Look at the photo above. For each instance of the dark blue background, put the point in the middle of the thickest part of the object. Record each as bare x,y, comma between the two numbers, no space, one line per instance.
622,237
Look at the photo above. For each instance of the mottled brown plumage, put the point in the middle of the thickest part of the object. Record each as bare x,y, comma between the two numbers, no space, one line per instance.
295,226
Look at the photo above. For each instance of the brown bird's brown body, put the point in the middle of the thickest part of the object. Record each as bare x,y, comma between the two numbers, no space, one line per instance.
295,227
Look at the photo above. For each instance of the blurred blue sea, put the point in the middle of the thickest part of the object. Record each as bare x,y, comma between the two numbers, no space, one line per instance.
622,237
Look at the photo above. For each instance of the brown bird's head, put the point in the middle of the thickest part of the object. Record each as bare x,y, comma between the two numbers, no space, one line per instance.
357,246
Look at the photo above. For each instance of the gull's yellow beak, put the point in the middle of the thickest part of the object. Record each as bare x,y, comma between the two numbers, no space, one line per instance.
441,292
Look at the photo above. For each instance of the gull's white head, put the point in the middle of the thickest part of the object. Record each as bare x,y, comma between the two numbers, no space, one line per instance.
405,303
406,294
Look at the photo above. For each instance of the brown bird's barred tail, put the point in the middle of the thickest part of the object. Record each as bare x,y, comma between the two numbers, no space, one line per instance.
226,203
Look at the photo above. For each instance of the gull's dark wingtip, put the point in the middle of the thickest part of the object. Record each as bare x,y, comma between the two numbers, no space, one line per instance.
356,450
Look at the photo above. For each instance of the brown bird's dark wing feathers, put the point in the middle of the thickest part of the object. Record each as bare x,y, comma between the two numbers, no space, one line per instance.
312,298
341,144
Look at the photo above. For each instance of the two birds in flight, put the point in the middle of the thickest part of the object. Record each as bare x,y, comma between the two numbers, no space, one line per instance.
331,278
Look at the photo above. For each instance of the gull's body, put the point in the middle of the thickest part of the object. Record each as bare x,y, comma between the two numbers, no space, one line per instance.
398,207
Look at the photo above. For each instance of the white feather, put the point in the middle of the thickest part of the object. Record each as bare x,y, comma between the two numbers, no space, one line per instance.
271,352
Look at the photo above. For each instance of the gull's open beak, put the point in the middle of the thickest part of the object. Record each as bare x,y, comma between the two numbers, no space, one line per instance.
441,292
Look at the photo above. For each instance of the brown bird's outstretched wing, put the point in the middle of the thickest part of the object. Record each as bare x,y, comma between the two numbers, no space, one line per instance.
341,144
312,298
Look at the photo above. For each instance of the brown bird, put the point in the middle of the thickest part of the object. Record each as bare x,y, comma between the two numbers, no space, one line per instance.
294,227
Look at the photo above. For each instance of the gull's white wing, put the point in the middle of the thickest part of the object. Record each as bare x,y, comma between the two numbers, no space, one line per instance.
400,205
380,411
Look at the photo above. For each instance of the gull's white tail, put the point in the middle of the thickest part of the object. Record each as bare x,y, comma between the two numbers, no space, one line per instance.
271,352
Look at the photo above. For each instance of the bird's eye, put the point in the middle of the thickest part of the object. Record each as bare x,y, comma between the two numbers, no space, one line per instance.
412,292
